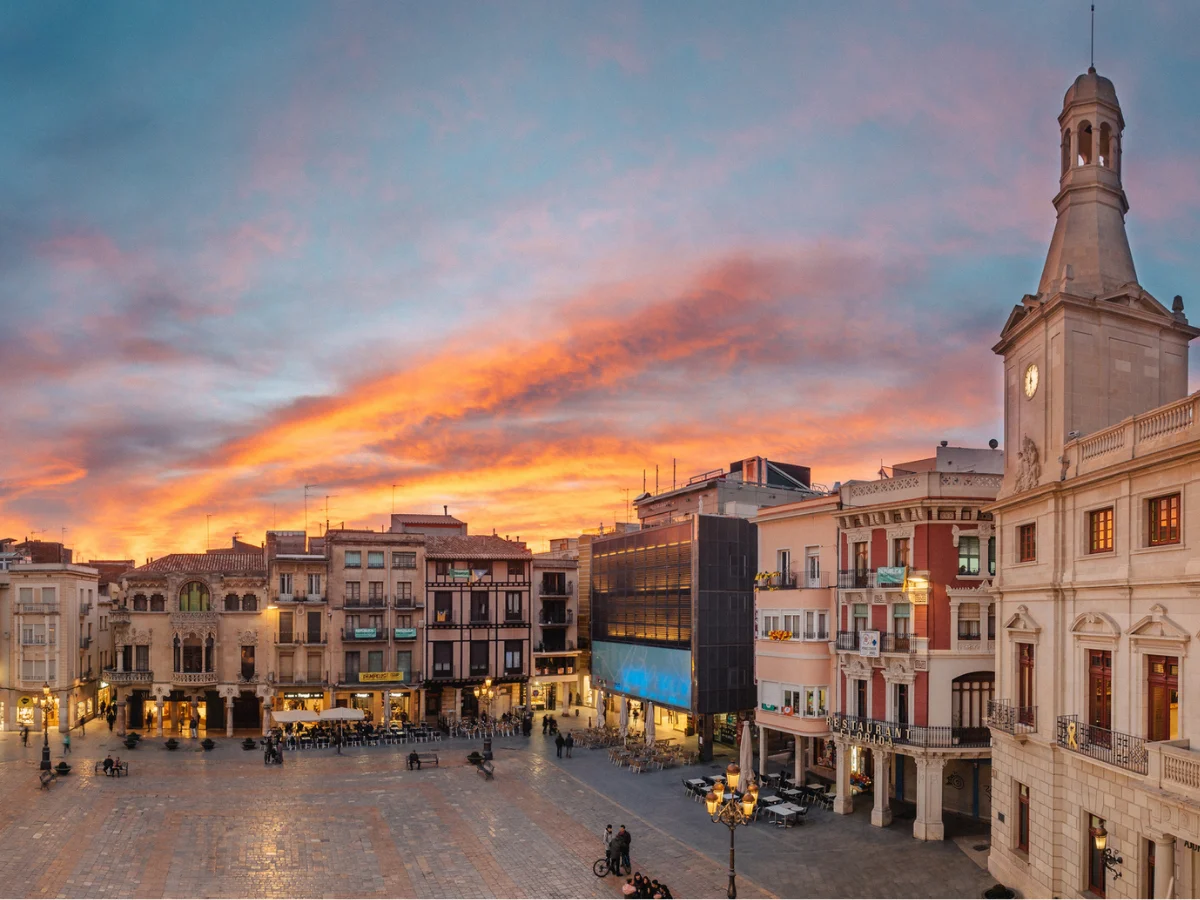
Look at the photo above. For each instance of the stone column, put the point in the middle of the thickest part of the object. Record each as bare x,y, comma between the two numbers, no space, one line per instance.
798,762
843,803
387,708
266,715
158,718
928,826
121,723
881,813
120,659
1164,865
563,695
624,716
228,717
193,711
64,712
762,750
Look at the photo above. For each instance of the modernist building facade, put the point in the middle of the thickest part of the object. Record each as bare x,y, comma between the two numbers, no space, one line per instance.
1096,785
795,600
51,636
191,639
915,638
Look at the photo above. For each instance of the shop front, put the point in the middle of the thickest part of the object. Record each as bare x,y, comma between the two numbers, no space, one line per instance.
310,701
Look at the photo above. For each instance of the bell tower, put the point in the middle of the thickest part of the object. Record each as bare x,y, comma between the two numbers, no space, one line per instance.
1091,347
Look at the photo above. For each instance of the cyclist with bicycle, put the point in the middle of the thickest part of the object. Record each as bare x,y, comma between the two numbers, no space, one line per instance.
619,852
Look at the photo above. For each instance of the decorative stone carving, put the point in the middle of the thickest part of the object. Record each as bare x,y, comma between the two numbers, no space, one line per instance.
247,638
1157,628
1096,625
920,664
1030,471
139,636
856,667
897,671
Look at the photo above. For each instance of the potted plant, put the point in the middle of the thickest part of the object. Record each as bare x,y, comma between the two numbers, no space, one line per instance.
131,743
62,768
172,744
249,744
474,757
208,743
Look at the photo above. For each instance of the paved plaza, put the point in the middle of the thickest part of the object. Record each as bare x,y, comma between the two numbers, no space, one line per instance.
219,824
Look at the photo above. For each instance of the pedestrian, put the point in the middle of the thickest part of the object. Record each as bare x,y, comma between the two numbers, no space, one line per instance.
625,840
66,742
608,839
195,725
546,724
112,717
150,721
25,735
570,743
559,743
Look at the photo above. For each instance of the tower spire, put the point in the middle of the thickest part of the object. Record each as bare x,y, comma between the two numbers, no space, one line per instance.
1092,56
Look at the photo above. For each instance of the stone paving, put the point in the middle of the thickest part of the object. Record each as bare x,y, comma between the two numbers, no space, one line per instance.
220,824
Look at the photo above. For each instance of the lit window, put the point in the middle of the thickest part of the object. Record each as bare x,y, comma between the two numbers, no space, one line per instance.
1100,530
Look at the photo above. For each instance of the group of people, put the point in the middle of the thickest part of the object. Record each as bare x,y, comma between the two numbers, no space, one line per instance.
639,886
567,742
111,766
273,754
616,848
549,724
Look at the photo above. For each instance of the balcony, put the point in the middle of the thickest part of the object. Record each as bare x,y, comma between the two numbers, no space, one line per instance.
314,637
555,588
561,619
404,634
287,637
85,608
409,603
929,736
314,598
119,616
36,640
194,678
1175,767
85,641
373,633
974,644
1126,751
853,578
247,677
285,598
310,678
889,642
37,609
784,581
1003,716
442,618
365,602
112,676
816,635
442,673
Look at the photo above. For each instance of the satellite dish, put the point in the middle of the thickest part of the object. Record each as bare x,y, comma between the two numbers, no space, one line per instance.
993,443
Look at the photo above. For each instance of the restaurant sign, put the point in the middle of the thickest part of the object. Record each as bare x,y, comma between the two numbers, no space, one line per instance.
868,643
303,695
381,676
406,634
867,732
460,573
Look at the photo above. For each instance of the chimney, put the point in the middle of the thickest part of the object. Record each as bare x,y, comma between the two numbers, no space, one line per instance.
445,510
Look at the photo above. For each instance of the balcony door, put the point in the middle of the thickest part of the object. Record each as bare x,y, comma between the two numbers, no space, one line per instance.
314,627
1163,699
1025,685
1100,689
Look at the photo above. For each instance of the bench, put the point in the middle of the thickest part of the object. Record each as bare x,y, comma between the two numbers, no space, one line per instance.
45,778
425,759
487,770
117,770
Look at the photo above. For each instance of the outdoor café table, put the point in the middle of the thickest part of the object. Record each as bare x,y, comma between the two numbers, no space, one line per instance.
697,782
791,793
782,810
770,801
816,788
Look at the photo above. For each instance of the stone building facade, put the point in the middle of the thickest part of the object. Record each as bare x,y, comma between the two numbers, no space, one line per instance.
1096,787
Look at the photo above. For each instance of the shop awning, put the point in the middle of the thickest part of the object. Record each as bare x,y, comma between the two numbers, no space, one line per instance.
294,715
341,713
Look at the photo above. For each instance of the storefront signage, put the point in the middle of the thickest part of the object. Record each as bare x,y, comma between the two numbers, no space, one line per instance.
1190,846
381,676
25,701
890,576
867,732
769,707
868,643
406,633
303,695
365,632
460,573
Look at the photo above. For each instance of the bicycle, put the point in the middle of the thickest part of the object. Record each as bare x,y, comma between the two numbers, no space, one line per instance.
600,868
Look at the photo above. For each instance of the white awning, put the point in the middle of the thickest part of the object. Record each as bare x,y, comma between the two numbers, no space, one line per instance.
294,715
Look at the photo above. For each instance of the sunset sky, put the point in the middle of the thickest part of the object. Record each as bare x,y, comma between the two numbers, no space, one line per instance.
507,256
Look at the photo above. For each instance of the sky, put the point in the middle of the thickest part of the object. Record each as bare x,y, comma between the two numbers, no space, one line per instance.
505,257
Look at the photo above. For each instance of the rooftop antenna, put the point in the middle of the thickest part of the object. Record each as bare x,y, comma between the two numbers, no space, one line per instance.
643,481
626,490
306,489
394,499
208,532
327,496
656,478
1092,63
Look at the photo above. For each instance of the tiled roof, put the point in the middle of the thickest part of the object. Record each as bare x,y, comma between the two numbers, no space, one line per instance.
473,546
205,563
422,519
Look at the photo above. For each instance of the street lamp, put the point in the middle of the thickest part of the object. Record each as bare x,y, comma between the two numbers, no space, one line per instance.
1110,859
733,812
486,695
45,702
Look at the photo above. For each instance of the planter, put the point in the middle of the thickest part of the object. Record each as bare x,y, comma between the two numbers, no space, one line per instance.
62,769
130,744
999,892
208,743
172,744
249,744
474,757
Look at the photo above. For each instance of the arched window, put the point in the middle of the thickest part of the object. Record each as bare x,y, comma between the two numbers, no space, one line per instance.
1106,145
158,603
139,603
1066,151
249,603
1085,144
193,597
231,603
969,696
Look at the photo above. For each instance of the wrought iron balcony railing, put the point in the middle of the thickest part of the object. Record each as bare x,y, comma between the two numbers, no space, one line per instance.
1003,716
1126,751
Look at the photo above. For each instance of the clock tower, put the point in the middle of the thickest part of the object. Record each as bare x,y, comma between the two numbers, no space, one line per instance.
1091,347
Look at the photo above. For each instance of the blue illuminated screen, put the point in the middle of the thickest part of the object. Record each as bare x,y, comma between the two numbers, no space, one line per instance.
658,674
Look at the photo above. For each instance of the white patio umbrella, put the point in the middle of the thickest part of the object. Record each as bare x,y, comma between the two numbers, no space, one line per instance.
746,758
282,716
650,725
341,714
624,717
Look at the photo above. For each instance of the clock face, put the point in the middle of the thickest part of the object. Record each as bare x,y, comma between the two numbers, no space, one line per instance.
1031,380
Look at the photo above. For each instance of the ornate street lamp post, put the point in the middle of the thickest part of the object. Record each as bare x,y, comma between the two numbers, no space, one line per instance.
45,703
486,695
731,810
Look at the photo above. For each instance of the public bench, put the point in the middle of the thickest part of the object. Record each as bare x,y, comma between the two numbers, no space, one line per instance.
423,759
487,770
117,770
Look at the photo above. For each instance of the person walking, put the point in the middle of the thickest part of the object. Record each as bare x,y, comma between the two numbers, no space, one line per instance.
559,743
570,743
66,742
150,721
25,735
112,717
546,724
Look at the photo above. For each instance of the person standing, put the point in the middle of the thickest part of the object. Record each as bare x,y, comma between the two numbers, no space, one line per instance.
546,724
559,743
570,743
66,742
112,717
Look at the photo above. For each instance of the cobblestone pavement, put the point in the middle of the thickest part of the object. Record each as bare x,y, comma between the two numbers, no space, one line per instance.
220,824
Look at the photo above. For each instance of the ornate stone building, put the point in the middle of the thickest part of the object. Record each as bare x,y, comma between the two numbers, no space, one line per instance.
1096,787
190,640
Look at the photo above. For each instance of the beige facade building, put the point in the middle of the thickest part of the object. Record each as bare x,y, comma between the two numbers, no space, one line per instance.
51,636
376,597
558,681
795,601
1096,785
298,619
191,640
